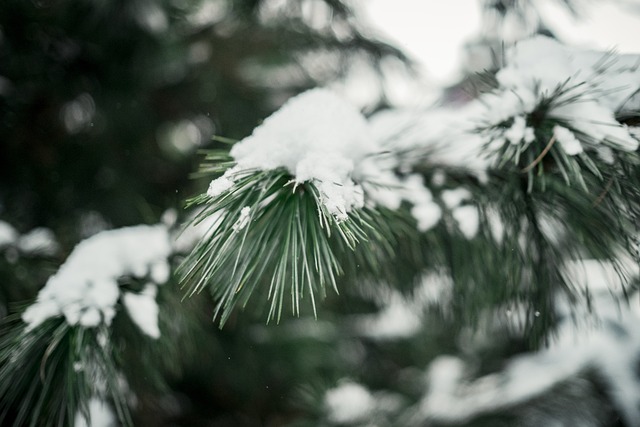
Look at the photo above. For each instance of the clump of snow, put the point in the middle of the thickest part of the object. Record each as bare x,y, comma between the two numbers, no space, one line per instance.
243,220
426,214
348,403
8,234
453,198
435,289
402,316
222,184
398,319
85,289
444,136
320,138
597,122
468,220
425,210
143,310
316,137
467,217
567,140
39,241
596,85
100,415
519,131
496,226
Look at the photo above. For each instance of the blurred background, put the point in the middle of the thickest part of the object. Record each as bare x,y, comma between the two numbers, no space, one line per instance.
104,105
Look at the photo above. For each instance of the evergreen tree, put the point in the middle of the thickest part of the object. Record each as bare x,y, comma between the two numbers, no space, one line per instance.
471,263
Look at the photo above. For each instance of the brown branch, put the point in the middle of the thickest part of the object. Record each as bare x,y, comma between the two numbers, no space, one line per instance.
604,193
541,156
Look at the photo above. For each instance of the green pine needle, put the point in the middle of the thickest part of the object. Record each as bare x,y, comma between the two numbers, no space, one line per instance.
290,248
49,374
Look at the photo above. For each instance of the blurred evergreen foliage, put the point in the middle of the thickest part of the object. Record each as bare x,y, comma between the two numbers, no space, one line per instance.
103,103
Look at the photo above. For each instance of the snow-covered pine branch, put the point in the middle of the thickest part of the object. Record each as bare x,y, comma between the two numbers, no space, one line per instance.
551,93
65,340
85,289
316,178
299,194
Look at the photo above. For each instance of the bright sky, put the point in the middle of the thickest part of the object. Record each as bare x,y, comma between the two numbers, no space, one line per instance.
433,31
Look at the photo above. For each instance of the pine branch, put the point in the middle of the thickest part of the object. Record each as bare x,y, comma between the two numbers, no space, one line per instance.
49,374
288,243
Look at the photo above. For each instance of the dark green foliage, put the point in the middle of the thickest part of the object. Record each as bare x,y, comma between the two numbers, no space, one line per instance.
47,375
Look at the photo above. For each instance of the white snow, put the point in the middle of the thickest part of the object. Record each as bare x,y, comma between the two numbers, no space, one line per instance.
348,403
222,184
398,319
143,310
100,415
467,217
320,138
426,212
160,271
537,67
243,219
39,241
445,135
468,220
567,140
401,316
427,215
453,198
519,131
85,288
8,234
598,123
317,137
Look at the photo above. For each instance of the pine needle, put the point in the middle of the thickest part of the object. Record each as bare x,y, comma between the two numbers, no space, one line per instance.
291,242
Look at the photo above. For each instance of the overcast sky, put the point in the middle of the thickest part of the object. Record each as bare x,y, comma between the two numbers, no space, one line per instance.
433,31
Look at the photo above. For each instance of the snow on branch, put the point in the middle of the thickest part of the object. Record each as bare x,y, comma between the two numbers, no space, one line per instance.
320,138
85,289
578,89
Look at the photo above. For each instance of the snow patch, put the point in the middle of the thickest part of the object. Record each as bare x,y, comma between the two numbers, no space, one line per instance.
143,310
519,131
609,346
348,403
453,198
85,288
316,137
468,220
398,319
8,234
39,241
567,140
100,415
